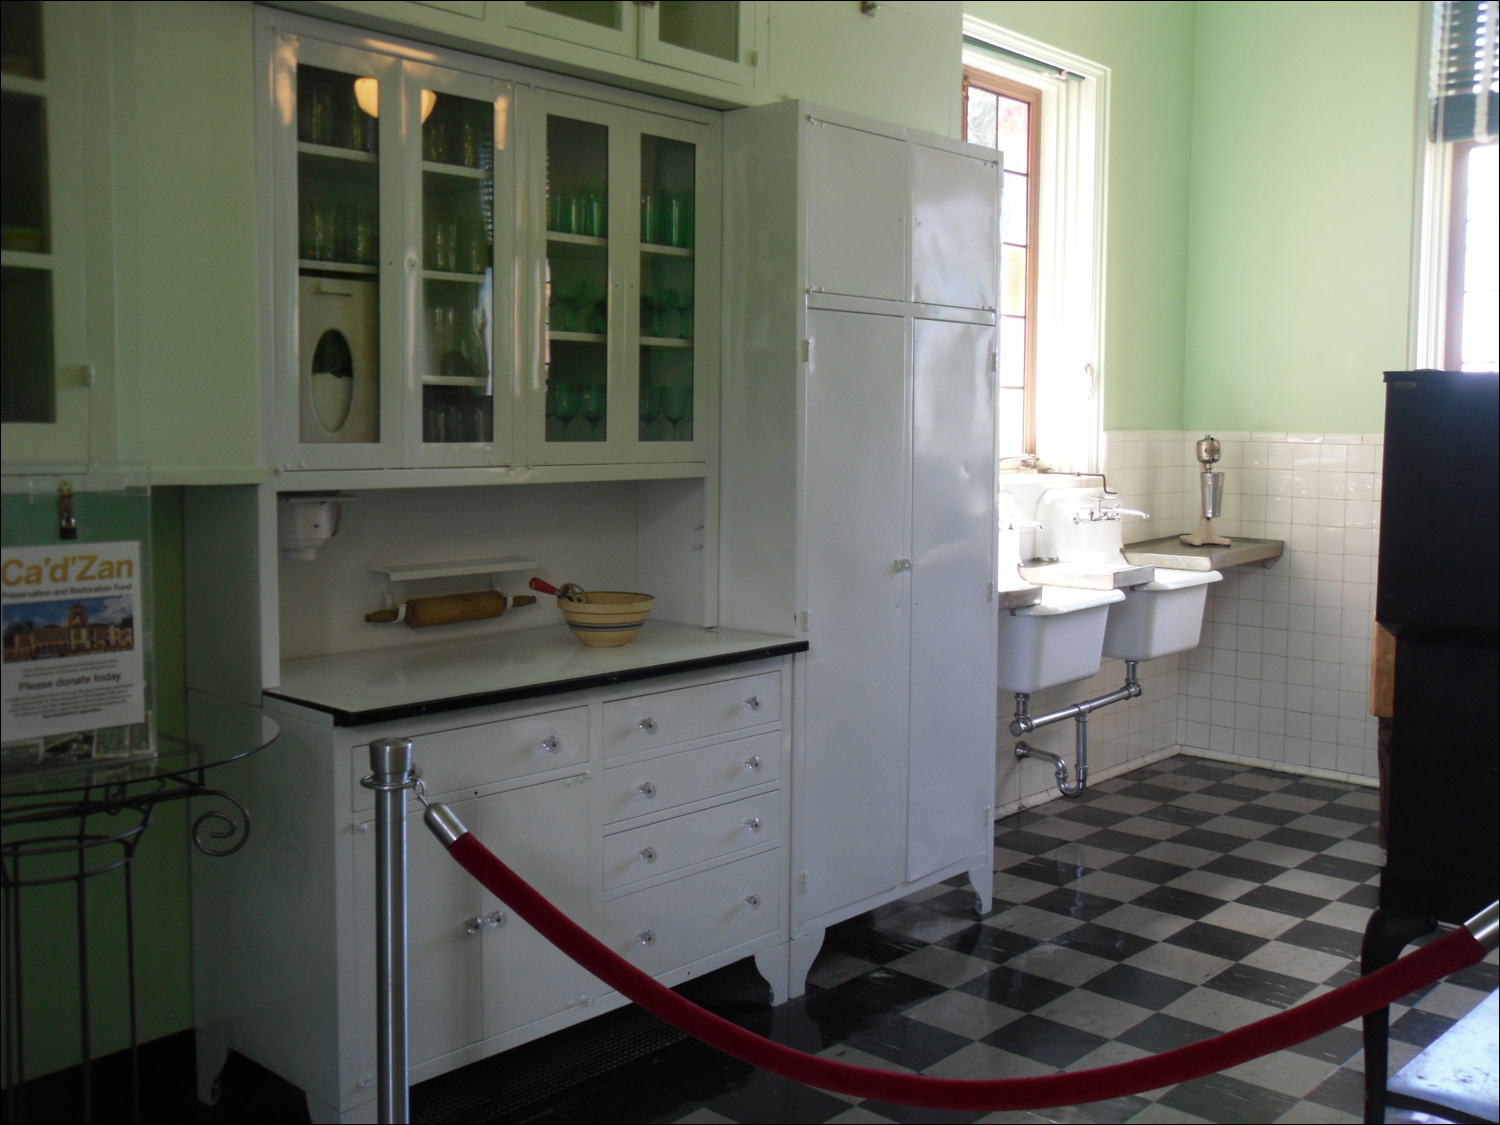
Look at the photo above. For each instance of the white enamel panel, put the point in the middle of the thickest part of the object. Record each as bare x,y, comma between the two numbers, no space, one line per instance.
852,799
670,845
660,928
644,722
951,766
670,780
955,228
543,834
856,212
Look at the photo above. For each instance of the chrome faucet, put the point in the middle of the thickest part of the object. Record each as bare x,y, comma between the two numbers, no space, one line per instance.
1101,508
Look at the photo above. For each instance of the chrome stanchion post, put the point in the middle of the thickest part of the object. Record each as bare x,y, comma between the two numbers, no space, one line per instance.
391,769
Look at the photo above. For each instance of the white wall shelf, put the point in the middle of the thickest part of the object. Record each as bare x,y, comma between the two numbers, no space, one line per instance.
457,568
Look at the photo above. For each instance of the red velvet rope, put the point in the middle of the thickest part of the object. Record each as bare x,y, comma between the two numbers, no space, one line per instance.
1447,955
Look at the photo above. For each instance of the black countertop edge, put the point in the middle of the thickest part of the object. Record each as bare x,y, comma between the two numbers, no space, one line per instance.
1436,375
342,718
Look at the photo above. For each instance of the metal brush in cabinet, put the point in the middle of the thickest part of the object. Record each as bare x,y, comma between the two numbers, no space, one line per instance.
651,813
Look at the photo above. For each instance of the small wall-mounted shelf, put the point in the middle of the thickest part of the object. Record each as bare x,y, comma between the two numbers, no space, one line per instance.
413,572
1171,552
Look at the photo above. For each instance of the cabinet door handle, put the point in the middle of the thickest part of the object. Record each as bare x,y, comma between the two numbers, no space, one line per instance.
646,937
648,854
495,918
752,823
752,901
753,703
901,564
473,925
648,724
752,763
647,789
550,744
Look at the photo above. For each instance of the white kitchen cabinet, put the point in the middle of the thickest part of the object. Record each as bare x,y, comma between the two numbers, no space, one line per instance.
489,273
858,439
673,851
51,146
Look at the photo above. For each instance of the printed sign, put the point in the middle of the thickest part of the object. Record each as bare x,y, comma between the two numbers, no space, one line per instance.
73,659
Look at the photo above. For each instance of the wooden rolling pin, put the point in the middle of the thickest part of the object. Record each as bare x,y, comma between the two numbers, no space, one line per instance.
449,609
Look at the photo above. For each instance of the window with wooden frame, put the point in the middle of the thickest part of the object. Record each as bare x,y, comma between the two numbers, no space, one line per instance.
1000,113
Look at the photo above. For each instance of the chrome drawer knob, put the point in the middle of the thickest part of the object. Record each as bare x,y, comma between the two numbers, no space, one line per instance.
495,918
753,703
648,854
752,901
646,937
752,763
550,744
473,925
647,724
752,823
647,789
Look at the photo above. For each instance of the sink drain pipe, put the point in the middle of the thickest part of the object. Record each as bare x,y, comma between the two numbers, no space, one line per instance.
1025,722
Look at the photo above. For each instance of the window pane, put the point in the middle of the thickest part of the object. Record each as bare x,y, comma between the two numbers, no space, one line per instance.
1012,351
1012,423
981,117
23,174
1013,209
1480,338
1013,280
711,27
602,13
1012,119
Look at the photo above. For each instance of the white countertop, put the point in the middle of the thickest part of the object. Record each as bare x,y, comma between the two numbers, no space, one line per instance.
383,684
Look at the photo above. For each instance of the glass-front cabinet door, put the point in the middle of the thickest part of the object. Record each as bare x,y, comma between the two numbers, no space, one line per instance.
715,38
461,347
44,402
338,180
619,370
396,309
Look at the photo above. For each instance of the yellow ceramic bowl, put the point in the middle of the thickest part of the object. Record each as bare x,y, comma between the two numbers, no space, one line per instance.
608,619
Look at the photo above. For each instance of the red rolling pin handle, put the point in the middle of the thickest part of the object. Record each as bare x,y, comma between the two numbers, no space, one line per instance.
543,587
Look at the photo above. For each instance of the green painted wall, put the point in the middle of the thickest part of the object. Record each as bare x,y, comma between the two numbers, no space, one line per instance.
1148,48
1301,213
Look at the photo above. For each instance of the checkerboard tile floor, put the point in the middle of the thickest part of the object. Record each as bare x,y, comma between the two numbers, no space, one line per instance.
1183,899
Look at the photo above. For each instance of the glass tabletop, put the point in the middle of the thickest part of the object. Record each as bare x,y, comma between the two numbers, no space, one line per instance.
224,732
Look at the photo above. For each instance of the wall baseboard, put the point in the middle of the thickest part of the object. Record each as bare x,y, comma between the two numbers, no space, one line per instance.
1282,767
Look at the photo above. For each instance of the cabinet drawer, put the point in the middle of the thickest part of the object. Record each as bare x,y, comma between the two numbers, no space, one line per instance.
667,717
682,841
469,757
679,922
691,775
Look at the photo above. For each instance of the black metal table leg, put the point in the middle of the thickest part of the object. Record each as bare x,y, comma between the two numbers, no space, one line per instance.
1386,935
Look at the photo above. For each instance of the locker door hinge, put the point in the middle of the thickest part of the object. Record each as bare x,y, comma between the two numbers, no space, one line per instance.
989,814
802,882
992,593
806,351
806,618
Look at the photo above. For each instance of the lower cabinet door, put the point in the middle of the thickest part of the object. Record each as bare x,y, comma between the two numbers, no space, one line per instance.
542,833
677,923
444,996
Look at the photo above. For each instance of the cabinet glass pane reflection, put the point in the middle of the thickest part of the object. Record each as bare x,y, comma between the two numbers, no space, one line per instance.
578,310
602,13
668,183
458,234
338,234
710,27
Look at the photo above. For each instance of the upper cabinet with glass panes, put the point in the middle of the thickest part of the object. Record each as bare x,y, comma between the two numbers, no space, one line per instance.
706,37
442,301
45,367
395,325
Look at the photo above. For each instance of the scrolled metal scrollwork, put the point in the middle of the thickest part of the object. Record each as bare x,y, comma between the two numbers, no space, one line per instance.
235,822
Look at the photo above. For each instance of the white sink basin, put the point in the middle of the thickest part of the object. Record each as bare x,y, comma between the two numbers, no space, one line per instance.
1161,617
1056,641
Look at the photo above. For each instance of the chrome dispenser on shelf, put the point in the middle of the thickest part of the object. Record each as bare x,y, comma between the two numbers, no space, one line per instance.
1211,486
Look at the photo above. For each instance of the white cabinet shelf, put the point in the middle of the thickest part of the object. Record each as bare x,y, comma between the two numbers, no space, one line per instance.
305,265
336,153
463,171
412,572
667,251
576,239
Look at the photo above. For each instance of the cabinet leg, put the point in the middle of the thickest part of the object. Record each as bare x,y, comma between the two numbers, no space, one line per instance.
804,951
982,878
775,966
210,1056
321,1113
1386,934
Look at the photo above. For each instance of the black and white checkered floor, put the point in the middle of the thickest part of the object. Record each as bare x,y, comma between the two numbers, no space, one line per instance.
1183,899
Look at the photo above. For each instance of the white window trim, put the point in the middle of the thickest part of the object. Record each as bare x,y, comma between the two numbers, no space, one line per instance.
1072,205
1432,198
